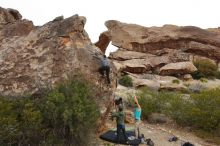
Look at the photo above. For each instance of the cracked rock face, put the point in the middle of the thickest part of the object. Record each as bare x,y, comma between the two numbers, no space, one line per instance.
151,39
147,49
167,52
34,58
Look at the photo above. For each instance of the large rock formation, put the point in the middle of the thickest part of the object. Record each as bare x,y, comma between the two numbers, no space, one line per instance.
34,58
156,40
142,39
168,50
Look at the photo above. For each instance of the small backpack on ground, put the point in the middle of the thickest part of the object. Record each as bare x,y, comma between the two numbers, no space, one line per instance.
149,142
187,144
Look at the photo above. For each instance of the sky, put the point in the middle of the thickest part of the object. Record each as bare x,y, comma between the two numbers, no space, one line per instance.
201,13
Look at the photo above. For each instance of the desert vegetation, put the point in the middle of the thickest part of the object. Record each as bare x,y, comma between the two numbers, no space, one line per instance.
206,69
126,81
197,110
65,115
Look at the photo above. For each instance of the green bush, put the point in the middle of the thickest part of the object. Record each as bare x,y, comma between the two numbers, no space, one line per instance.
64,116
126,81
206,69
204,80
153,101
199,110
176,81
205,110
217,74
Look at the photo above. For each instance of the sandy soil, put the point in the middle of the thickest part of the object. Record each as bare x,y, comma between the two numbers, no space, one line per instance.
160,135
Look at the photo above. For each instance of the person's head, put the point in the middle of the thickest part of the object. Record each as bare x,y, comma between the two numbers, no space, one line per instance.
118,100
120,108
104,56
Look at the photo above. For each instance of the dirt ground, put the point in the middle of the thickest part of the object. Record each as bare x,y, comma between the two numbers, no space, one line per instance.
160,135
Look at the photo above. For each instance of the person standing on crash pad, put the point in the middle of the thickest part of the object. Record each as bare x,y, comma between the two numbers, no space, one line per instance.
120,118
105,68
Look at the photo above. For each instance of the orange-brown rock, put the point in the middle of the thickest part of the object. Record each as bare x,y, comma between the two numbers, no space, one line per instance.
136,65
35,58
122,55
159,46
190,39
12,24
178,68
9,16
104,40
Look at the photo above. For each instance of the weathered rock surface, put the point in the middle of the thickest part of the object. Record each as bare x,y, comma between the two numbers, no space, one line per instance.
187,77
151,84
143,39
157,82
12,24
104,40
9,16
123,55
34,58
178,68
136,65
159,46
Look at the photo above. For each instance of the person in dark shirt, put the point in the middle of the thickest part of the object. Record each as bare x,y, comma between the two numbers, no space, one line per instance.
120,118
118,102
105,68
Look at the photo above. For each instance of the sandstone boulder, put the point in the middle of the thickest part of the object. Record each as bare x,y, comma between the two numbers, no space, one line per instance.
9,16
104,40
136,65
151,84
167,50
36,58
119,66
11,24
138,38
157,82
122,55
159,61
187,77
178,68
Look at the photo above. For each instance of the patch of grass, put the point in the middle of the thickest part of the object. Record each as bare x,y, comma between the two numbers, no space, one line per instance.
186,84
126,81
203,80
175,81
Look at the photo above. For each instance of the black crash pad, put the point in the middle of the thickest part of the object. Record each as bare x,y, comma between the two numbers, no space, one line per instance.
111,136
